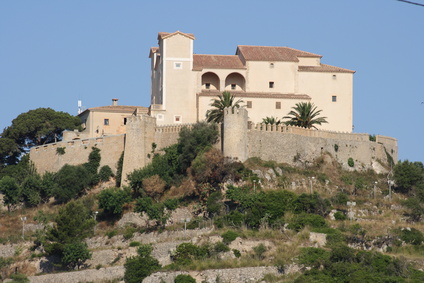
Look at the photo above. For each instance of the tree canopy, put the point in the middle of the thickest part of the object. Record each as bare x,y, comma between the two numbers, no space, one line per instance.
305,114
223,101
35,127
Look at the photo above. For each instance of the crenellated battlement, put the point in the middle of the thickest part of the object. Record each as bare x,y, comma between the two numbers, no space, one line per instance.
172,128
281,128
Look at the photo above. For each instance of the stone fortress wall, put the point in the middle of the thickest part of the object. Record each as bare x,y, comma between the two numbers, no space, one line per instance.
294,145
241,140
47,159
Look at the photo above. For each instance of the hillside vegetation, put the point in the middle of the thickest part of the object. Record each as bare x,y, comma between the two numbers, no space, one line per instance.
312,224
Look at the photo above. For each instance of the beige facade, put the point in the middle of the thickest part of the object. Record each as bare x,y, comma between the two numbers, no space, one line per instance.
270,80
105,120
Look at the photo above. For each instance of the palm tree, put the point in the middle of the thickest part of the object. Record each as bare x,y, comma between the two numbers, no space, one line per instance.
305,114
225,100
271,120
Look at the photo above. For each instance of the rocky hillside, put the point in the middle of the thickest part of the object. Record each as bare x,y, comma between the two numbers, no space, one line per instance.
272,223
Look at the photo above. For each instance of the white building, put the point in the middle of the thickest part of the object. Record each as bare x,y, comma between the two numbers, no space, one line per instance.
270,80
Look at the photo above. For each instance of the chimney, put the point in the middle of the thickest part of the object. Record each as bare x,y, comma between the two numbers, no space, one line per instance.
114,101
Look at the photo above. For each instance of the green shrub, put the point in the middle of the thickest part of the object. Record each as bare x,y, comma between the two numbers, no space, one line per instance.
237,253
340,198
74,223
235,218
259,251
105,173
186,252
70,182
112,200
184,278
19,278
314,257
214,203
336,147
119,170
312,203
229,236
220,247
139,267
194,223
135,244
372,138
111,234
411,236
340,216
301,220
93,161
129,232
334,236
350,162
171,204
75,255
60,151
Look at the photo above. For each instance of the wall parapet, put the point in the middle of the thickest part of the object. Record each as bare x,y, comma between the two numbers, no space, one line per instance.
310,132
172,128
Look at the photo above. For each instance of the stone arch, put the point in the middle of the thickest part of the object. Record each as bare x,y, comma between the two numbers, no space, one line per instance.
235,81
210,81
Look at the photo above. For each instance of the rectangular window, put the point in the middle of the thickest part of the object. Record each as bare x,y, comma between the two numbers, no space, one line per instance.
271,84
208,85
277,105
233,86
334,77
125,121
178,65
177,119
334,98
249,104
106,122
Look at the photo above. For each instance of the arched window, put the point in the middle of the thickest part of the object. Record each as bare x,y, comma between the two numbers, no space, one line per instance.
235,82
210,81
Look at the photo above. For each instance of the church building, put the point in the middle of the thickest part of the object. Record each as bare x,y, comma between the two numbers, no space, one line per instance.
270,81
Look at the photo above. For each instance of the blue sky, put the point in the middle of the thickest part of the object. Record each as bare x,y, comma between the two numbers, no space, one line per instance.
53,53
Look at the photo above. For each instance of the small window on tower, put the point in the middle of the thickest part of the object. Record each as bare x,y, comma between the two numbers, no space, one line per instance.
207,85
334,98
271,84
125,121
178,65
249,104
106,122
177,119
233,86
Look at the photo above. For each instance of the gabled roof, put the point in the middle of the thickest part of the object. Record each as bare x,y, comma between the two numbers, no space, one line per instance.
272,53
164,35
324,68
201,62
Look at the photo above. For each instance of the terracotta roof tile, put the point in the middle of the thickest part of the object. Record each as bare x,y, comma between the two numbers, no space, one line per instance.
153,50
164,35
242,94
116,108
324,68
216,62
272,53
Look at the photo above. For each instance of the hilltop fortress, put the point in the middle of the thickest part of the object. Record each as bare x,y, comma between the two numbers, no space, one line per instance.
270,80
240,141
